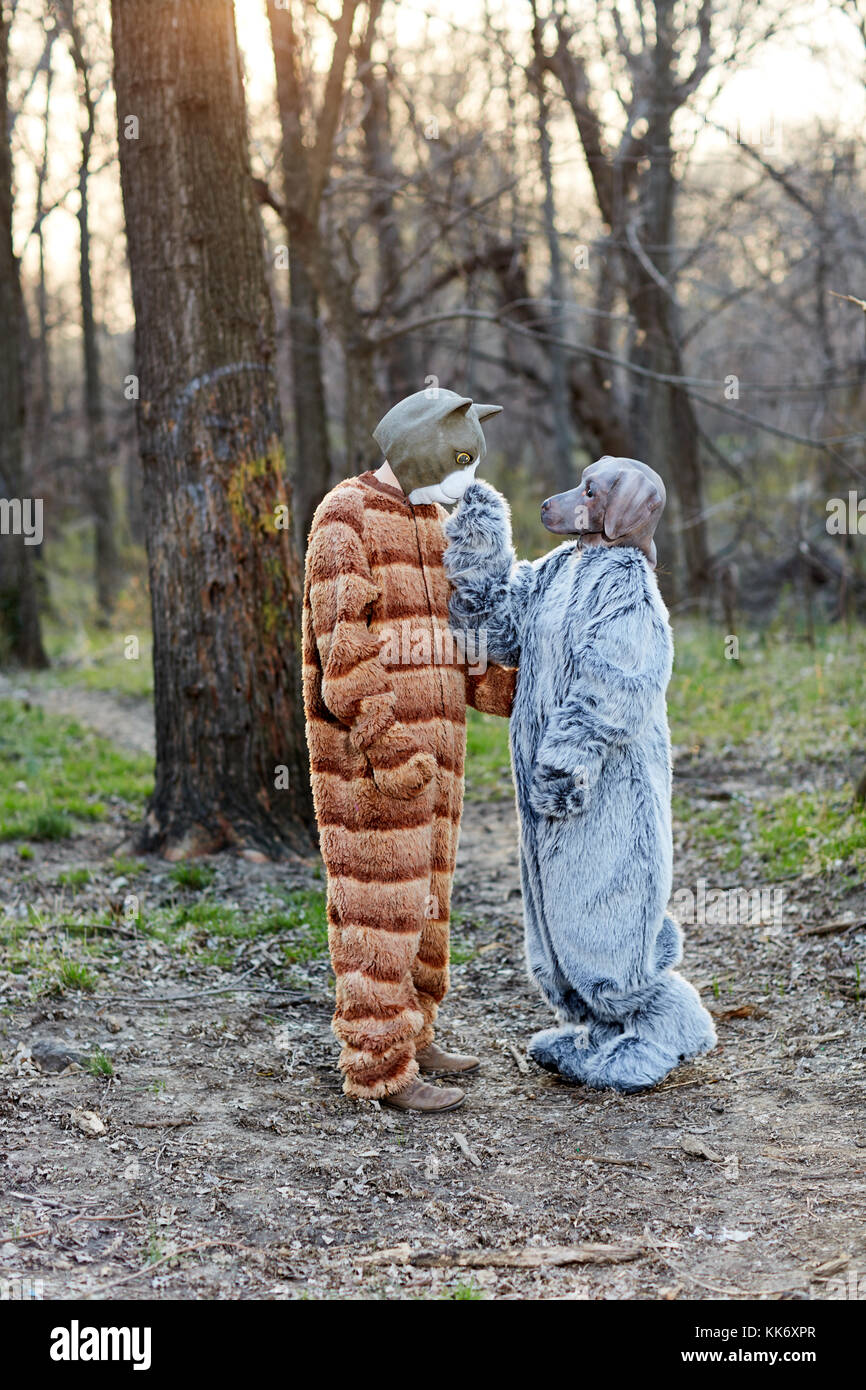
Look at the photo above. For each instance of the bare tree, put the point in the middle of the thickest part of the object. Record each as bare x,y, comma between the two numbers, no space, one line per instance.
20,627
224,573
97,466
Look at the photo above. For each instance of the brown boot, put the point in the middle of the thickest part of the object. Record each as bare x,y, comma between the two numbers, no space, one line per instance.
434,1059
419,1096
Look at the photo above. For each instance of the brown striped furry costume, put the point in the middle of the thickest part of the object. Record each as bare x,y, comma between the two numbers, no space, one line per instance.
387,745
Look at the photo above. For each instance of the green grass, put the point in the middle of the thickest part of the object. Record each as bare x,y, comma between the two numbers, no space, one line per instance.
464,1291
75,878
69,975
802,702
54,773
780,701
100,1065
208,930
798,832
717,826
488,764
81,652
126,868
196,876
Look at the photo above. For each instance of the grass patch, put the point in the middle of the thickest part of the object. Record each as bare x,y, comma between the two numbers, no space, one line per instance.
195,876
712,827
54,773
75,878
794,699
466,1290
126,868
488,763
208,930
66,975
798,832
100,1065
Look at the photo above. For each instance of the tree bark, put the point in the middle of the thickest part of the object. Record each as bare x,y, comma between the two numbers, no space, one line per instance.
98,471
231,764
310,419
20,629
636,189
559,393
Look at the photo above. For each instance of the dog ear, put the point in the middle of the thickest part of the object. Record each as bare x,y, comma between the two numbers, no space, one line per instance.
632,502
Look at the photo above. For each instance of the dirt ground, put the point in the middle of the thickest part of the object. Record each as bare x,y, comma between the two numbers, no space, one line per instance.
228,1164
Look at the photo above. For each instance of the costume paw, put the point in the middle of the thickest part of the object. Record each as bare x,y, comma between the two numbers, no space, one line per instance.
556,795
560,1049
628,1064
480,523
409,779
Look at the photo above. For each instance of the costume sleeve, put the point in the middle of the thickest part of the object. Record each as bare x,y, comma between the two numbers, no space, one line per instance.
490,586
493,691
355,684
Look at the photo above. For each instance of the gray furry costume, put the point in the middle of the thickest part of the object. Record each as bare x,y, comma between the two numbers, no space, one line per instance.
590,749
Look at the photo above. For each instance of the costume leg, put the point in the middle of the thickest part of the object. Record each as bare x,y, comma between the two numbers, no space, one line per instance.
378,1014
430,967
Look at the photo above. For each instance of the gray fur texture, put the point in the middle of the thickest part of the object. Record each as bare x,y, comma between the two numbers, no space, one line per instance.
590,752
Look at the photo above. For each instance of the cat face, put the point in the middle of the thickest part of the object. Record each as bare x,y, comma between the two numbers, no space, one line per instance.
434,443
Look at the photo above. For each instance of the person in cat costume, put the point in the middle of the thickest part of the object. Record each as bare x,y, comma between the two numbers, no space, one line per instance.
385,693
591,756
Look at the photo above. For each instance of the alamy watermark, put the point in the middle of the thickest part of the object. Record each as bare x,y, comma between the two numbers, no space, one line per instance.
405,645
22,517
727,906
846,516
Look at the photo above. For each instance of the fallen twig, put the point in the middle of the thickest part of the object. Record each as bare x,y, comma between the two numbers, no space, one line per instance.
539,1257
184,1250
522,1064
838,925
163,1124
463,1145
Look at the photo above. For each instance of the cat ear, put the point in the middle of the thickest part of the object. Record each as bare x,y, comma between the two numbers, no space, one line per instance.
484,411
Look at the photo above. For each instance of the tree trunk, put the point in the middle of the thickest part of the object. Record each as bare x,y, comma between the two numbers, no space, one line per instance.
559,393
231,764
97,468
401,371
313,462
20,630
669,442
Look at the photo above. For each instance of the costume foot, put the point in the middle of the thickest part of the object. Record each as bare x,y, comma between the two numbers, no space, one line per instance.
629,1064
418,1095
556,1049
433,1058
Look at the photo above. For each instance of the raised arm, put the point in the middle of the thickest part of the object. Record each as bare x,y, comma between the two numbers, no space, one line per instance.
622,661
490,586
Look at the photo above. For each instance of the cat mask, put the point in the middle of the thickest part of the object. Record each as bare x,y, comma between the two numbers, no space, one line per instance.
434,443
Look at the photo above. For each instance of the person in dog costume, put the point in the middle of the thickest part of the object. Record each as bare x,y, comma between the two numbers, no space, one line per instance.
385,696
591,755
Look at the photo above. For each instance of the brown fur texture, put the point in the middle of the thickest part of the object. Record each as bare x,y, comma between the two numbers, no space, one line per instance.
387,744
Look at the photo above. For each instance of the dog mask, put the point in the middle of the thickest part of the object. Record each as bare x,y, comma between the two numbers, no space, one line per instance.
619,502
434,443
